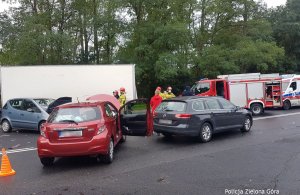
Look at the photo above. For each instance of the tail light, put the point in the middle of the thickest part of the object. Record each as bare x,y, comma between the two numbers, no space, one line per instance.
101,129
43,131
43,134
183,115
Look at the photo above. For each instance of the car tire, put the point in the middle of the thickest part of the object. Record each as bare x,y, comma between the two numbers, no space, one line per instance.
109,157
286,105
5,126
256,109
40,125
247,124
205,132
47,161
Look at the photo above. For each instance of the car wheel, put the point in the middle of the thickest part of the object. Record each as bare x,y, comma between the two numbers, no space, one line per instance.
47,161
286,105
205,133
247,124
6,127
108,158
40,125
256,109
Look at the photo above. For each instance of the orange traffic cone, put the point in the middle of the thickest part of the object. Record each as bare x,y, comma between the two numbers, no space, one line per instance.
6,169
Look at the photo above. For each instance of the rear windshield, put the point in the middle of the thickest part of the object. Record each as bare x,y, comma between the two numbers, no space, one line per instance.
77,115
172,106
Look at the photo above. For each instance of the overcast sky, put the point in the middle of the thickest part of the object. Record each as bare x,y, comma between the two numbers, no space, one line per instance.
270,3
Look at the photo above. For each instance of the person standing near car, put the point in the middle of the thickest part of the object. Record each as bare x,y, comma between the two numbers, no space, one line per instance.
169,93
155,101
187,91
162,95
122,97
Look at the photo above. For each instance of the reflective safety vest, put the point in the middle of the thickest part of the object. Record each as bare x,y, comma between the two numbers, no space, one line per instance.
169,95
122,99
162,95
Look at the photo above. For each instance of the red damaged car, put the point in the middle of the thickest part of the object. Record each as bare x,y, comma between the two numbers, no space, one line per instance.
91,128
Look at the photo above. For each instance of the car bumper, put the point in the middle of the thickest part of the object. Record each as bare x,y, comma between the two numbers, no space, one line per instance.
176,130
97,145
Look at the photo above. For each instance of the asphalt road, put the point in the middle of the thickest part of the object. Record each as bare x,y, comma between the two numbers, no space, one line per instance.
264,161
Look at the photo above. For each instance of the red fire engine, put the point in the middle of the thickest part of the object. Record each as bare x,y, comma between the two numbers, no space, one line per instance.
254,91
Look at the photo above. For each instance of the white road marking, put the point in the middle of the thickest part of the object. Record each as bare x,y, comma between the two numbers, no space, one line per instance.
19,150
276,116
4,135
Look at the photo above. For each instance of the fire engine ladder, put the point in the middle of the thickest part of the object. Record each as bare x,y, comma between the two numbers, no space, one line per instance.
249,76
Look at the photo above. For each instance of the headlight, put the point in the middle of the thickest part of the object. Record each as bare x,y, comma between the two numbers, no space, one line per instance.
101,129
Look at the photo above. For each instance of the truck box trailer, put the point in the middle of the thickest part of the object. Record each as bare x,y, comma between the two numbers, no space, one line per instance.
254,91
76,81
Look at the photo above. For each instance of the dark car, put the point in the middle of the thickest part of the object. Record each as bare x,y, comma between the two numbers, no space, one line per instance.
199,117
57,102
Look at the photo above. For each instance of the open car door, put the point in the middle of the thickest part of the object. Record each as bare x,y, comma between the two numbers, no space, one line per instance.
135,118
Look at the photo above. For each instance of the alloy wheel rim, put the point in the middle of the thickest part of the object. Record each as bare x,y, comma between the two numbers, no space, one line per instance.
256,110
206,132
247,124
5,126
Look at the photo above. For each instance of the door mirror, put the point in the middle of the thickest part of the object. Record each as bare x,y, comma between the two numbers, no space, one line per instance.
290,90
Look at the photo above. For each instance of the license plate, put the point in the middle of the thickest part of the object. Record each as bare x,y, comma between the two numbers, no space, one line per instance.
163,121
70,133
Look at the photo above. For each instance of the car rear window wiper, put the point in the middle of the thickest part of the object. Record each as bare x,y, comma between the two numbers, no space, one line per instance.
69,121
168,110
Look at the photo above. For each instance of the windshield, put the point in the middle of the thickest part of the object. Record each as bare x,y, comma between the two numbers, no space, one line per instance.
74,115
172,106
201,87
285,85
44,102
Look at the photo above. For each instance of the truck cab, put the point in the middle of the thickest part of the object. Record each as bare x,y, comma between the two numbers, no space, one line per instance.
211,87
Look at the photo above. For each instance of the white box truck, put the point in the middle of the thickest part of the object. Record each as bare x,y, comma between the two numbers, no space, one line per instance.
76,81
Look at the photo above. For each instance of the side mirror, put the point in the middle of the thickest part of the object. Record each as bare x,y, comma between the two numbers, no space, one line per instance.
290,90
30,110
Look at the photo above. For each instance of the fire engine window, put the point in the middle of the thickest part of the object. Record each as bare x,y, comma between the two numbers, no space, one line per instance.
202,88
293,86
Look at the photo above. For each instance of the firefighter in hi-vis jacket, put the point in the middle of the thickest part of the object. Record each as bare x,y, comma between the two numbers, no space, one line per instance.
122,97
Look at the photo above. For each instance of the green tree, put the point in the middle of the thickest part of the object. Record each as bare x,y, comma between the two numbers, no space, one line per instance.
286,26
